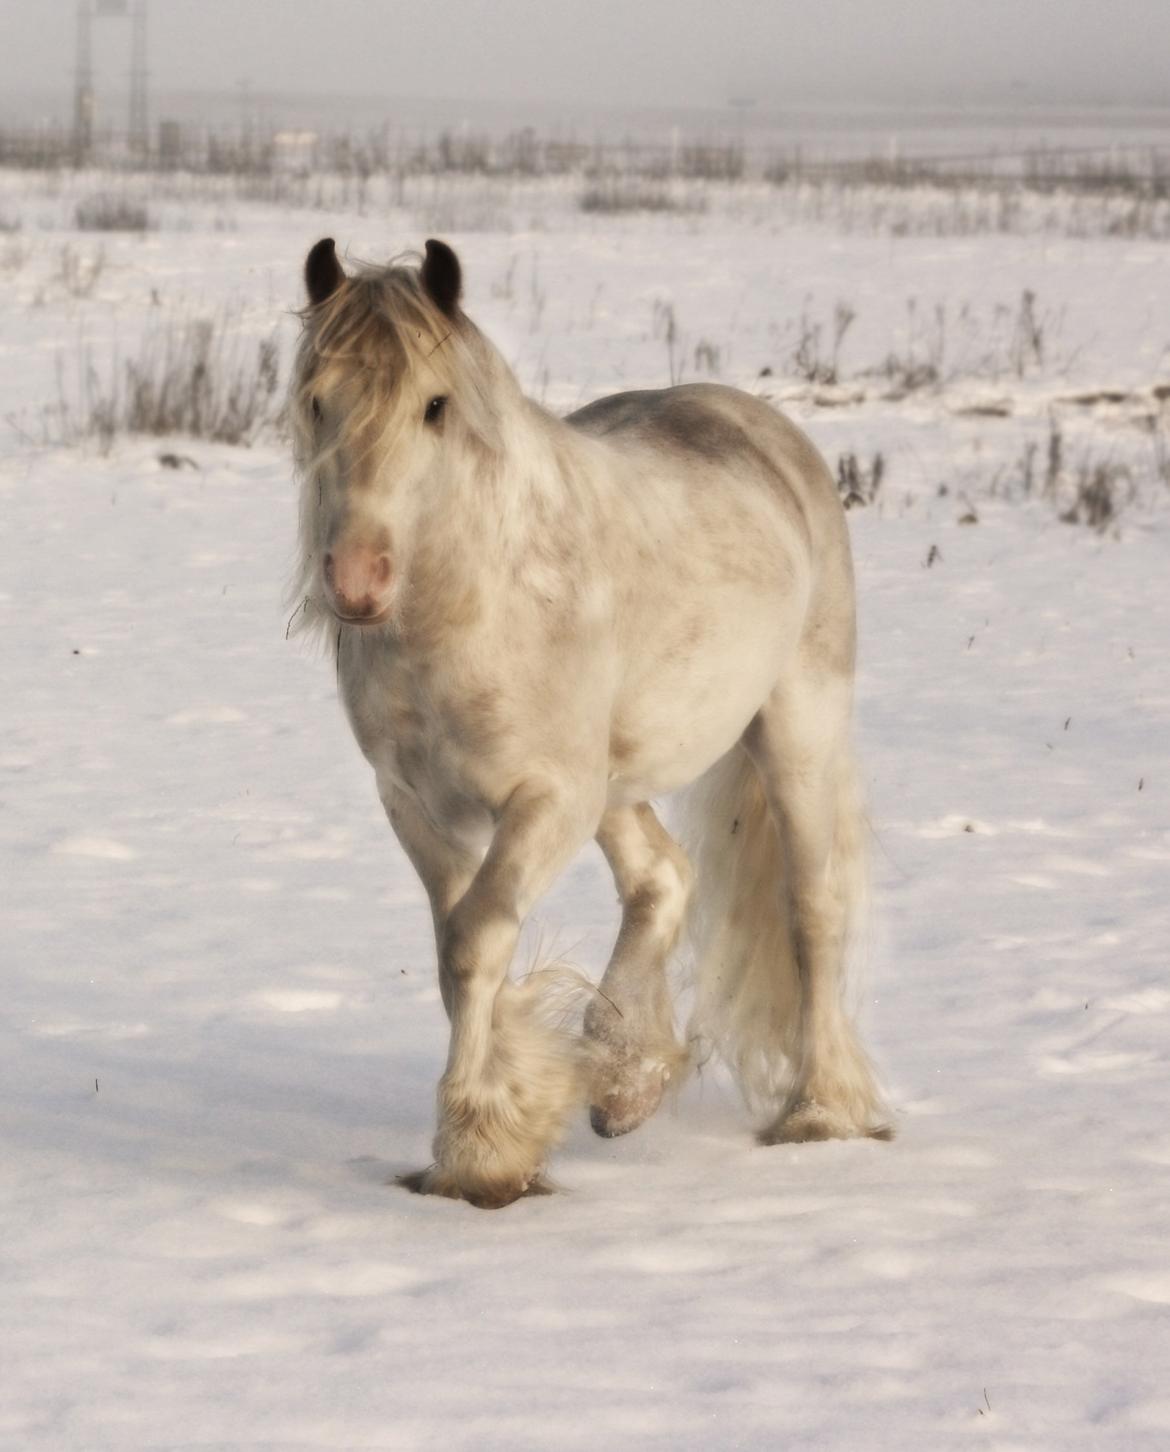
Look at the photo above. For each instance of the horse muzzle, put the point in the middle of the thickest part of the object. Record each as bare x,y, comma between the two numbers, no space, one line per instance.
359,582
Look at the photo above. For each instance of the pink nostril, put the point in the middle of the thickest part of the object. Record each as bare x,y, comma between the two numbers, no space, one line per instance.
358,580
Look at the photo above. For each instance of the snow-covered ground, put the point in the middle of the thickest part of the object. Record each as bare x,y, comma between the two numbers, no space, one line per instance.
221,1027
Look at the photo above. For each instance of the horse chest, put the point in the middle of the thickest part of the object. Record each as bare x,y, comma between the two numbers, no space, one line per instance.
426,736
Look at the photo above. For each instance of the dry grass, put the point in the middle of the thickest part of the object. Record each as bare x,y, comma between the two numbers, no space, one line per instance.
78,273
1093,488
856,484
813,358
1096,494
198,378
111,212
934,348
616,194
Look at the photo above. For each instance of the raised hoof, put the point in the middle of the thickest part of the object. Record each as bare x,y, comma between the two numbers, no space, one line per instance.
622,1110
630,1068
808,1122
437,1181
628,1086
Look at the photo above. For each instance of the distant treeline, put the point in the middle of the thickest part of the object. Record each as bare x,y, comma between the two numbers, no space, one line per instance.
1128,169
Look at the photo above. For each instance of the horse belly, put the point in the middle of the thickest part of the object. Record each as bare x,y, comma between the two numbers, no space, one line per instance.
690,709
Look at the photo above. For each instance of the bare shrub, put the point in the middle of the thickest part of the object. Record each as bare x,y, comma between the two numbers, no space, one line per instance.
1027,345
505,288
920,363
78,273
462,153
197,377
1017,342
1012,342
666,328
111,212
615,194
1161,445
711,161
1026,466
807,359
708,357
1054,465
1094,492
857,485
1100,489
537,297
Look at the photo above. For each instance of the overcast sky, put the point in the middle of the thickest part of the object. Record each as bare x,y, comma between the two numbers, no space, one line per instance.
623,52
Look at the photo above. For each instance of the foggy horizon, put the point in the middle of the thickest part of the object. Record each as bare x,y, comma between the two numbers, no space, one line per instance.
602,57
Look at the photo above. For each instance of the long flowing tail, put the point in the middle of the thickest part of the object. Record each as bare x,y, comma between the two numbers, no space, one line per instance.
747,981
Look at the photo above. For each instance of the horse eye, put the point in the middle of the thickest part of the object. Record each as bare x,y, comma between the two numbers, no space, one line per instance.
435,409
316,409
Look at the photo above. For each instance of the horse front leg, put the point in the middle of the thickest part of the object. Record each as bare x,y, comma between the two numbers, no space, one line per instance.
445,868
512,1076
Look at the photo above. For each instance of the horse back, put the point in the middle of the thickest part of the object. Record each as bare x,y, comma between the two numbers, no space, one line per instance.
712,431
761,501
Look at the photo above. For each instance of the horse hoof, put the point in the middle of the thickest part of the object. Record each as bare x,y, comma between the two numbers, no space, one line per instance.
808,1122
610,1125
623,1109
492,1195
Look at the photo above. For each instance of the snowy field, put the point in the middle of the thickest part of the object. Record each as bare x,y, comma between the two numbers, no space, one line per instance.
221,1027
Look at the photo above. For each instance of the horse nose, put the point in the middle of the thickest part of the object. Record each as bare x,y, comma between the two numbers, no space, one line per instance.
358,581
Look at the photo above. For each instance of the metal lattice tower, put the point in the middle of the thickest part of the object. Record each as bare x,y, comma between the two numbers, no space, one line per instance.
83,86
138,130
139,119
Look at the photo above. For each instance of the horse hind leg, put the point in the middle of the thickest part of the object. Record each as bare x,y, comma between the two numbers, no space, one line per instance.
629,1022
799,744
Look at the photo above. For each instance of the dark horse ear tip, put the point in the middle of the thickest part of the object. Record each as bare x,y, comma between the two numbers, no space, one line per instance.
441,275
323,272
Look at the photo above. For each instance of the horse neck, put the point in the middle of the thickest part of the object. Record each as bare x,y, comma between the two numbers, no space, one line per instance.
540,489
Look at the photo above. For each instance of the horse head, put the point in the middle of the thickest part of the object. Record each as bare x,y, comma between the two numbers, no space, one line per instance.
394,406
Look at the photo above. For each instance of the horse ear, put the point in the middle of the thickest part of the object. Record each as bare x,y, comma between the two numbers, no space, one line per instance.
442,277
323,272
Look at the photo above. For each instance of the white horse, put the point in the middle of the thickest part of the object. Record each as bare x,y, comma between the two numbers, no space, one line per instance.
541,624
